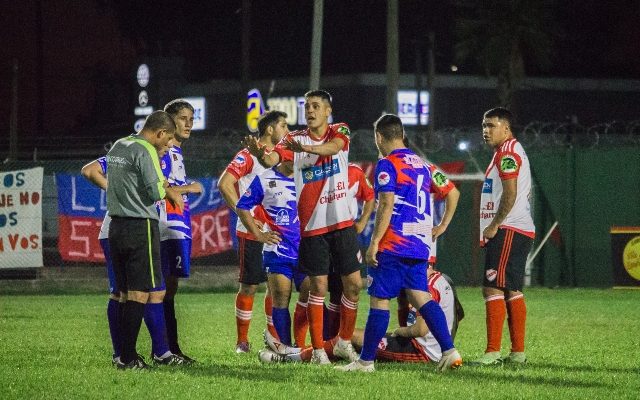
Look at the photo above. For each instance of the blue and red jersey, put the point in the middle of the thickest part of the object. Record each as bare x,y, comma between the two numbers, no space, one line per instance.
408,177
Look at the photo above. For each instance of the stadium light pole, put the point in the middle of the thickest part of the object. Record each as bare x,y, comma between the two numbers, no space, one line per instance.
316,44
393,65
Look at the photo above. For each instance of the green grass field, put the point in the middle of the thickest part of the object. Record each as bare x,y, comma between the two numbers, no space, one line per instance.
581,344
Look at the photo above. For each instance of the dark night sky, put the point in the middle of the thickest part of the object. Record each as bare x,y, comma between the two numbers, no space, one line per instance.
90,47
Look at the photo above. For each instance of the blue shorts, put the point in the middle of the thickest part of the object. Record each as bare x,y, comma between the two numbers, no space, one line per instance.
273,264
176,257
104,243
394,273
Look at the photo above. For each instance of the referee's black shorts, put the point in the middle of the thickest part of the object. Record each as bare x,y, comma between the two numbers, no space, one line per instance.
135,252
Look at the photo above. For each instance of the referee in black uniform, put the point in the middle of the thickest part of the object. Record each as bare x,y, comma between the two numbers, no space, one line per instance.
134,184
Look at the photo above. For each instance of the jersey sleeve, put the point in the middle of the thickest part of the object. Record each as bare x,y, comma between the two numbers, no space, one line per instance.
343,132
385,176
103,164
253,196
241,165
508,164
165,164
365,189
280,148
151,175
441,185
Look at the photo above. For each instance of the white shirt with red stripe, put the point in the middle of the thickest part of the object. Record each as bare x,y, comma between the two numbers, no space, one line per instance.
321,181
509,162
440,187
244,167
360,189
441,292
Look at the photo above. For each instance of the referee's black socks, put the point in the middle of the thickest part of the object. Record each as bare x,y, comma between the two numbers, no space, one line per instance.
131,320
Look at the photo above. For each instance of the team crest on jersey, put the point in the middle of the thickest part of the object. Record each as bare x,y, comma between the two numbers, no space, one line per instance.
247,192
239,159
383,178
413,160
163,164
491,275
508,164
282,218
272,184
440,179
175,157
344,130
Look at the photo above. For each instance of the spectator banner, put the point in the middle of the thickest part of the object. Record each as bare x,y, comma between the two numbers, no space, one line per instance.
81,209
625,253
21,218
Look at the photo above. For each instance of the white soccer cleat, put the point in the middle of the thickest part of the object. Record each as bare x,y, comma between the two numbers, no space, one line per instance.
319,356
278,347
356,366
344,349
450,360
269,356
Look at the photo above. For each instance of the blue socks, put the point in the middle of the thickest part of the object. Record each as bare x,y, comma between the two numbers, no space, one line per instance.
374,331
113,316
154,319
282,323
437,323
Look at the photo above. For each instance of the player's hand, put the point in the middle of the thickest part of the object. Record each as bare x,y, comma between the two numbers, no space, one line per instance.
370,256
293,145
269,237
438,230
175,198
252,144
489,232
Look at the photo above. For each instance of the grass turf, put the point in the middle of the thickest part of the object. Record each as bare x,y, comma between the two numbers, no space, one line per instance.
581,343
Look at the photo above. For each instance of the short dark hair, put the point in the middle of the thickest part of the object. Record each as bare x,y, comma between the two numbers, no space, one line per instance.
501,113
323,94
268,119
174,106
389,126
159,120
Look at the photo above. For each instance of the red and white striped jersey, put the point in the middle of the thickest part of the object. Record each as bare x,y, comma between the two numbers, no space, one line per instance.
442,292
360,189
321,181
509,162
244,167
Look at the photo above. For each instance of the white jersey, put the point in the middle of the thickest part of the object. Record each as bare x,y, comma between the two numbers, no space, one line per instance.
360,190
244,167
509,162
441,292
174,223
321,181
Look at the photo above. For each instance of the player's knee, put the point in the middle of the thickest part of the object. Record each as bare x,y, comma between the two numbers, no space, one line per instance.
156,297
248,290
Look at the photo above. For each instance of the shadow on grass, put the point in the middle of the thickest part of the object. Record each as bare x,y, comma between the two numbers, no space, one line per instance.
584,368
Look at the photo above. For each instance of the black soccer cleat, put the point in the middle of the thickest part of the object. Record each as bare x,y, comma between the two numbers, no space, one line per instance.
172,360
136,364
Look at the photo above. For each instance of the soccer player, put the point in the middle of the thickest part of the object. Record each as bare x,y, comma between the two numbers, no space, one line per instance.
320,159
134,185
234,181
443,191
399,250
275,192
175,229
507,232
361,206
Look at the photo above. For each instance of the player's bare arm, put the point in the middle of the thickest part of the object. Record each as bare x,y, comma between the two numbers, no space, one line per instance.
367,209
266,158
418,329
93,173
507,200
450,203
193,187
269,237
329,148
383,219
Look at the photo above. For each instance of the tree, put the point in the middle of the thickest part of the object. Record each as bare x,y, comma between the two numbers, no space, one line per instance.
505,38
